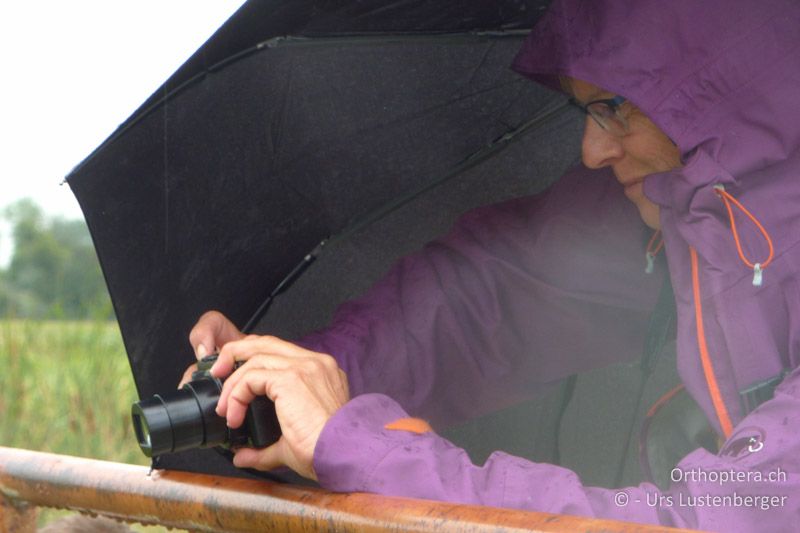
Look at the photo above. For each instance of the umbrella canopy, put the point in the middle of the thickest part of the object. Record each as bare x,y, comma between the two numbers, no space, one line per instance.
364,125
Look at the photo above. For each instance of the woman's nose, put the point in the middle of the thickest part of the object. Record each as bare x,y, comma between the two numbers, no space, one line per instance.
599,147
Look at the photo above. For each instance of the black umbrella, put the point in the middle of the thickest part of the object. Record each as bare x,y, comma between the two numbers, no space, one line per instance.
348,131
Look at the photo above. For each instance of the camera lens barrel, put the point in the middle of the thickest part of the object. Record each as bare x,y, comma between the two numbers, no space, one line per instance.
181,419
186,418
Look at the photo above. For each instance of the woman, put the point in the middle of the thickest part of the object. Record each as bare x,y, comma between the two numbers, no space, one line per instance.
692,109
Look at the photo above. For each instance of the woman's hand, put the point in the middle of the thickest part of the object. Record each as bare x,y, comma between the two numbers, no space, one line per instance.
307,389
212,331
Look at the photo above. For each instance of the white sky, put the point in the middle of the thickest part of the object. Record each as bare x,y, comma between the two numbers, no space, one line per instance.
71,72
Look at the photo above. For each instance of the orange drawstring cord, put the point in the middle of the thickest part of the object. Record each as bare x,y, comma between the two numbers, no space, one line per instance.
654,246
666,397
758,268
644,432
708,368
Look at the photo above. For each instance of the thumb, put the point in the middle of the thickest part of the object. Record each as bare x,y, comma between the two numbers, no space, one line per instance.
260,459
269,458
212,330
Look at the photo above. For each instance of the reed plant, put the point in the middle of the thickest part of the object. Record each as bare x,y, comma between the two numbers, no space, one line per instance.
66,387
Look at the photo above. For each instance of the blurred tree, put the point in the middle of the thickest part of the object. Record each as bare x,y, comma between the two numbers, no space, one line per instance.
53,271
5,297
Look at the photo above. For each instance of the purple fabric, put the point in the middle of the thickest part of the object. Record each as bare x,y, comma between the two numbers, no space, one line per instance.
518,295
522,294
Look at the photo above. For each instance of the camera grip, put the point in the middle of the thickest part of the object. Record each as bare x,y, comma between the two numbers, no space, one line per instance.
262,422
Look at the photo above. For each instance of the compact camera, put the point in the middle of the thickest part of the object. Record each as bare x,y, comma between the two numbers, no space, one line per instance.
185,418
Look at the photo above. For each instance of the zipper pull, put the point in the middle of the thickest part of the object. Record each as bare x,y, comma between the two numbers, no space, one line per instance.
757,275
651,261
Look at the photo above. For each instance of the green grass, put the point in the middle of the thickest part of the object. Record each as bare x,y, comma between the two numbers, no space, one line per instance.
67,388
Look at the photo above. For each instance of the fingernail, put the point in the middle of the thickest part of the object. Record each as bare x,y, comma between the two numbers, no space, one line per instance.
201,351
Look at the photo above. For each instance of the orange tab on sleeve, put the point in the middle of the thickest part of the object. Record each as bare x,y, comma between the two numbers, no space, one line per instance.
413,425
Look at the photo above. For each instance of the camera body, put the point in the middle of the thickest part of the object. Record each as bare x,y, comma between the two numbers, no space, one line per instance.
185,419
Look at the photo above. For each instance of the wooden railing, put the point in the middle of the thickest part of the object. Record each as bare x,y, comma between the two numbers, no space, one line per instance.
200,502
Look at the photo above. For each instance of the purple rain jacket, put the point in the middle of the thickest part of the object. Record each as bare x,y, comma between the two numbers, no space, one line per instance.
524,293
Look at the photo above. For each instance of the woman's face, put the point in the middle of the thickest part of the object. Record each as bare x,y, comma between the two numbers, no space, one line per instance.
644,150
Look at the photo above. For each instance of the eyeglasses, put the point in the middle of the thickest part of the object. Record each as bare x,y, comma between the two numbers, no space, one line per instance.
606,113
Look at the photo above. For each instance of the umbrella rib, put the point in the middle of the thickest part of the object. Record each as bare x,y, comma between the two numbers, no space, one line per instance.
369,39
367,131
511,103
281,41
284,284
482,62
427,110
276,141
470,161
460,98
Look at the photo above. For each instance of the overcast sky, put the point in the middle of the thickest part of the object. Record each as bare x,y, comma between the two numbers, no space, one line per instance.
72,72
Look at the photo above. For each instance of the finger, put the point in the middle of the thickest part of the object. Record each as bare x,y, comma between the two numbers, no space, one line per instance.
233,406
264,459
344,384
267,344
242,388
187,375
252,383
271,457
212,329
258,362
232,353
247,347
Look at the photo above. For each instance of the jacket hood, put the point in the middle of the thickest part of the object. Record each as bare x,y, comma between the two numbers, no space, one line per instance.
678,61
720,78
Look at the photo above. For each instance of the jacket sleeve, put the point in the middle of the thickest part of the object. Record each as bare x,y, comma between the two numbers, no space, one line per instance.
753,484
516,296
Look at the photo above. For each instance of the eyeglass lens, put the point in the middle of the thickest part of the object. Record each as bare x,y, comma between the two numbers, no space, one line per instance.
608,118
